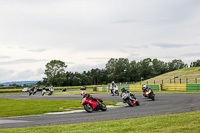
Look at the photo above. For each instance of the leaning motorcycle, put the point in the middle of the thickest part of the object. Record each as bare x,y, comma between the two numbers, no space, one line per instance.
50,93
43,92
114,91
90,105
149,93
30,92
34,92
130,100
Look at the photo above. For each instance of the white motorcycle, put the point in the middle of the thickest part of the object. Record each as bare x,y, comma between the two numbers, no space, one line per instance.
114,91
43,92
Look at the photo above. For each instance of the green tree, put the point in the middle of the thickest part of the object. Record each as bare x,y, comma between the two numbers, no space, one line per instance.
55,72
76,81
110,67
176,64
195,64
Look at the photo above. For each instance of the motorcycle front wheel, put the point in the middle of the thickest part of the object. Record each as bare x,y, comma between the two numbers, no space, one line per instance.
137,103
88,108
103,107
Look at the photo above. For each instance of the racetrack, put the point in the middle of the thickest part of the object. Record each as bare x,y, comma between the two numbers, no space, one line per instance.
164,104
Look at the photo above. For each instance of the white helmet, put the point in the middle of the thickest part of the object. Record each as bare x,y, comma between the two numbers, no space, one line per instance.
83,93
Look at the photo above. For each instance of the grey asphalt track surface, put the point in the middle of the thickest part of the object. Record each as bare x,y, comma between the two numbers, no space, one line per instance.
163,104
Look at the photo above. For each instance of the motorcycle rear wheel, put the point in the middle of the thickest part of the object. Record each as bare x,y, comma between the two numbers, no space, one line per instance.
129,103
88,108
103,107
153,97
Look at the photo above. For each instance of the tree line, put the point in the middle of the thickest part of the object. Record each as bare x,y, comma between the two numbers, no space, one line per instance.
118,70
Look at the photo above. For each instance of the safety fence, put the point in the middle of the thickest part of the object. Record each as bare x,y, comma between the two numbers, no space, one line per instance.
156,87
129,87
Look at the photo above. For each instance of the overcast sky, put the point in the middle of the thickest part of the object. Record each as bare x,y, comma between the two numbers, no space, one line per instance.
85,34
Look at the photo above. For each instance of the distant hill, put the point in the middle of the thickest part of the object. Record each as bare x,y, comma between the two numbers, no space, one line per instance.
191,75
19,83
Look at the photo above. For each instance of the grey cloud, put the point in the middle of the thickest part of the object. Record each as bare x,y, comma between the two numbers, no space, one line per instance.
98,58
2,57
134,54
69,63
169,45
40,71
137,47
124,21
85,67
173,45
5,74
192,54
20,61
37,50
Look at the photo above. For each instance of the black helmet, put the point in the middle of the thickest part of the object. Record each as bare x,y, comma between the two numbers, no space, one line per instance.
122,89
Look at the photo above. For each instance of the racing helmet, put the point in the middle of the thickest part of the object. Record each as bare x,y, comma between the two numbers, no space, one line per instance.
113,82
122,89
83,93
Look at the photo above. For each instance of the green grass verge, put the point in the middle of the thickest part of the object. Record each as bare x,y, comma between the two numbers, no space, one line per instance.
10,108
95,92
183,123
10,91
79,92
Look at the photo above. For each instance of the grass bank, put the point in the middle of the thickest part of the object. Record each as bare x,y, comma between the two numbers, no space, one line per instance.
183,123
10,108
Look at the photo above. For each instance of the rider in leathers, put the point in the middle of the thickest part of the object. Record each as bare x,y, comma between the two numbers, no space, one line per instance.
126,91
88,96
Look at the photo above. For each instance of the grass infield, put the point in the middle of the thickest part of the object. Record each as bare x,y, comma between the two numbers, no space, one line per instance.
173,123
11,108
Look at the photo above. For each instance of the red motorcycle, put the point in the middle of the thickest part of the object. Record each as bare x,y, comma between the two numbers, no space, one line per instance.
90,105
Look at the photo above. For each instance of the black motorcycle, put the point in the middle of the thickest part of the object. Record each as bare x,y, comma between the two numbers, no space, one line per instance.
64,89
149,93
130,100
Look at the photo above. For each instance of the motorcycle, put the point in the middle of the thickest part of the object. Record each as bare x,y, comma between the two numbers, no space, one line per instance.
149,93
43,92
90,105
34,91
130,100
64,89
50,93
30,92
114,91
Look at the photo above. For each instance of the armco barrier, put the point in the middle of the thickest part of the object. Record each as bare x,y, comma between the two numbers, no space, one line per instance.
175,87
193,87
102,89
135,88
121,86
155,87
167,87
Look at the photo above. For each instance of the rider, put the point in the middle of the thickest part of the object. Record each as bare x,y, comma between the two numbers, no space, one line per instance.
88,96
126,91
112,86
33,89
144,87
51,89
